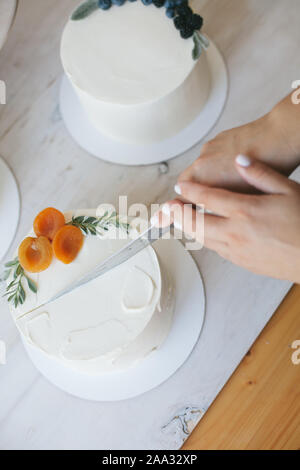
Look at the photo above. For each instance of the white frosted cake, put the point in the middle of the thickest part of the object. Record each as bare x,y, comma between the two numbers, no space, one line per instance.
108,324
137,78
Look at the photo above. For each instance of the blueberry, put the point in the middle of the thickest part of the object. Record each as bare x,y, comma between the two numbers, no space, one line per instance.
118,2
146,2
170,12
170,4
158,3
104,4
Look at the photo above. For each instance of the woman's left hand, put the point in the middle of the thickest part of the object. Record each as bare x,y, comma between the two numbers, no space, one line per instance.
258,232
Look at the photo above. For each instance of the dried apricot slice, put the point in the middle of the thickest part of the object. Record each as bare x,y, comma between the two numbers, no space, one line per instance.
48,222
35,254
67,243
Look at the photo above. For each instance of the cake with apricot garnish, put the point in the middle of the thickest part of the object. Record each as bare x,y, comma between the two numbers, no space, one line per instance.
108,324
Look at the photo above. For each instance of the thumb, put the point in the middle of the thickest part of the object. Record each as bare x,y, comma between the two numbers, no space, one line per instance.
261,176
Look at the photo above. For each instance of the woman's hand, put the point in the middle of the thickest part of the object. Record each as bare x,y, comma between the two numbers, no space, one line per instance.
273,139
258,232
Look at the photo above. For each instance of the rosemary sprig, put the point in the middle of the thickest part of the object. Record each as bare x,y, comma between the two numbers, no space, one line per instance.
98,225
85,9
15,292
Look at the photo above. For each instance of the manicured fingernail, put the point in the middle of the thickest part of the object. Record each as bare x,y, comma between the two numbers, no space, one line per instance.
177,225
166,209
243,161
154,219
177,189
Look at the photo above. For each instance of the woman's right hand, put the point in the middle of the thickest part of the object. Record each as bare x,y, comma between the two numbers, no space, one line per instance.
259,232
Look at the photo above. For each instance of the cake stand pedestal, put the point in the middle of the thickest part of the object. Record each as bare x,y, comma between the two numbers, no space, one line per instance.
159,365
104,147
9,207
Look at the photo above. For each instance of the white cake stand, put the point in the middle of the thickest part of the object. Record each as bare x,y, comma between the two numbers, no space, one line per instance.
101,146
9,194
9,207
160,364
8,10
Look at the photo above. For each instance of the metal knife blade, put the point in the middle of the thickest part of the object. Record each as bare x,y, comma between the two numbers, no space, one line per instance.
148,237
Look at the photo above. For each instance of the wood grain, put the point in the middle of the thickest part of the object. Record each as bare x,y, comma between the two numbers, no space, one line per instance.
259,408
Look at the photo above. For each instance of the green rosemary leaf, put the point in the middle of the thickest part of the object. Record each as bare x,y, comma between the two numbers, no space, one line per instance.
32,285
197,51
11,284
91,220
19,270
79,219
203,40
12,263
22,293
84,10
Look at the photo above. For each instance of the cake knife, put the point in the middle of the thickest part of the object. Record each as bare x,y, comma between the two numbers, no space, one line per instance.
146,239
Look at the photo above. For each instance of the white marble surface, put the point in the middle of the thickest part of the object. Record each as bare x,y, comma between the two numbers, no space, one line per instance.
259,40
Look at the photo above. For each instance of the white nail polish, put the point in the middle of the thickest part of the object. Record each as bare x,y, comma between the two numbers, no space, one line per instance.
177,225
166,209
243,161
177,189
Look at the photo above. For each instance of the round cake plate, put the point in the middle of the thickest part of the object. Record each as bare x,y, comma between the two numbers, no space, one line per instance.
7,13
158,366
9,207
101,146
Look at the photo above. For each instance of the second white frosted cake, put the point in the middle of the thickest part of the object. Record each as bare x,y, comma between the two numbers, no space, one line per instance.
134,73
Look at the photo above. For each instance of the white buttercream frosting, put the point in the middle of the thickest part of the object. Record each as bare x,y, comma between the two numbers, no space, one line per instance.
107,324
133,73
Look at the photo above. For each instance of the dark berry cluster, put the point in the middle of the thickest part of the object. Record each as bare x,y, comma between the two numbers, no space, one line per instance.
185,20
